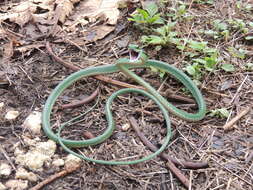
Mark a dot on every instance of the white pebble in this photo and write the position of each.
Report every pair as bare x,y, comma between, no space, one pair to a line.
5,169
11,115
33,122
38,154
17,184
58,162
1,105
2,186
23,174
125,127
72,161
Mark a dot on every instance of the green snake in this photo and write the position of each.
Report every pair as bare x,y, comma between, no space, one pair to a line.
138,59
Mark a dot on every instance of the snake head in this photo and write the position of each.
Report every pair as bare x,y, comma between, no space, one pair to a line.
136,54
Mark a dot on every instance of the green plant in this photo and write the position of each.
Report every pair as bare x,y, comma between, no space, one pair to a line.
237,53
244,6
201,65
162,36
249,66
228,67
238,24
210,2
222,28
222,113
147,16
179,13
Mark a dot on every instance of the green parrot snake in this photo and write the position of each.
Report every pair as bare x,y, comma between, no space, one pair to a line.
124,65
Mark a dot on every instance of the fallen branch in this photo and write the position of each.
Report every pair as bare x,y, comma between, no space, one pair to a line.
229,125
55,176
181,163
169,163
81,102
99,77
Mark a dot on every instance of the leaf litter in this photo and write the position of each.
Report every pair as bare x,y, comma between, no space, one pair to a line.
24,28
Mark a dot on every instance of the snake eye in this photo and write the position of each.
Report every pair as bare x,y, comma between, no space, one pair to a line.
134,55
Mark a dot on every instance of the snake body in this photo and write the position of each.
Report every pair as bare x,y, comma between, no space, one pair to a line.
123,65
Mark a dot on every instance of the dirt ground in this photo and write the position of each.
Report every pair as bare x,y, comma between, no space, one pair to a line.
28,75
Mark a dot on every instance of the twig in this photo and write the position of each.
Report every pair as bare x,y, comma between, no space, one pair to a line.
178,174
81,102
239,88
236,39
182,163
99,77
169,163
7,157
54,177
184,99
250,157
191,175
230,124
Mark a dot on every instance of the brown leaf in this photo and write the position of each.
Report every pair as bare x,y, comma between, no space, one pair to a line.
20,14
97,32
63,9
26,11
93,9
8,50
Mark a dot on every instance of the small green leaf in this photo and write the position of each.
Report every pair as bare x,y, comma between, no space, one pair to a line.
191,70
143,13
152,9
222,112
228,67
249,37
197,45
210,63
249,66
152,39
219,25
240,53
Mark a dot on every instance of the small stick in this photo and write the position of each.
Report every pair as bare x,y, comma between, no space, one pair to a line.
99,77
230,124
7,157
55,176
81,102
178,174
183,164
169,163
238,90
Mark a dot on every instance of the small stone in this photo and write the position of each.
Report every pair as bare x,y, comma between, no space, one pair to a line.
17,184
1,105
33,122
125,127
2,186
5,169
11,115
18,151
23,174
47,148
37,155
58,162
72,162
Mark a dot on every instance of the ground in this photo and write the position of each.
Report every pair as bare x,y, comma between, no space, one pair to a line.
29,73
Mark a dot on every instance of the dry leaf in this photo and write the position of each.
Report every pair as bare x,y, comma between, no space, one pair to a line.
63,9
97,32
25,48
8,50
93,9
